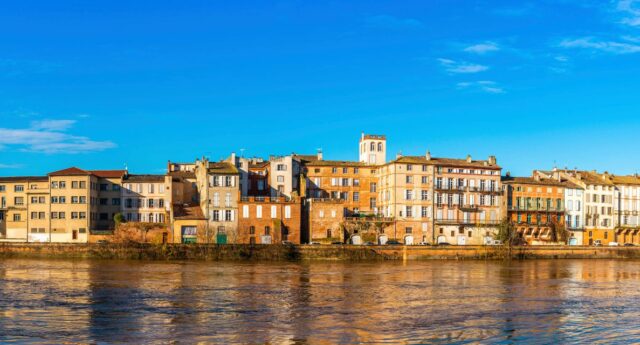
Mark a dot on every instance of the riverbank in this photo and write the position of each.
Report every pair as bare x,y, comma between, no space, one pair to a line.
307,252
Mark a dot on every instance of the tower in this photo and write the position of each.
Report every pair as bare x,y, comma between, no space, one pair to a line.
373,149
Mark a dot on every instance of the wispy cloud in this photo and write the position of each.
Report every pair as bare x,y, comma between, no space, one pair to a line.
461,67
52,125
631,12
595,44
391,22
50,136
487,86
10,166
482,48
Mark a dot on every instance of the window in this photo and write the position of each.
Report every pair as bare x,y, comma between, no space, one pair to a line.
267,231
372,203
424,195
228,181
103,186
425,212
287,212
74,215
409,179
74,199
372,187
216,215
280,178
18,201
408,194
61,215
18,188
83,185
281,167
259,211
408,230
409,167
425,179
356,196
334,170
408,212
356,182
83,199
2,188
115,201
227,200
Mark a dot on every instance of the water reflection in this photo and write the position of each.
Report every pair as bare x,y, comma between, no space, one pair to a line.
555,301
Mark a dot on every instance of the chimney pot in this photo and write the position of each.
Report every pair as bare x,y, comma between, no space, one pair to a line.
428,155
468,158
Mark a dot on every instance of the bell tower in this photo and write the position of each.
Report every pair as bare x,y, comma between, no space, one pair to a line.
373,149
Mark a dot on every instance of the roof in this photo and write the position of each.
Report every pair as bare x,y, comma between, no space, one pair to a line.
534,181
183,174
187,212
374,136
446,162
338,163
626,179
259,165
306,158
590,177
144,178
109,173
23,178
73,171
222,168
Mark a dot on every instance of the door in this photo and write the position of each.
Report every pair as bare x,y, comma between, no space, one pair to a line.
408,240
573,241
442,239
221,238
74,235
462,240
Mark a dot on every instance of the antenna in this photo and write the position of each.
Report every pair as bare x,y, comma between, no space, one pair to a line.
242,153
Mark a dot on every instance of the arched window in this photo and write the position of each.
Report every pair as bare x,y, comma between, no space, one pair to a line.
373,146
380,147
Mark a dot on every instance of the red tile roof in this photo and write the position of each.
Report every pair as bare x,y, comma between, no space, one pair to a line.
73,171
109,173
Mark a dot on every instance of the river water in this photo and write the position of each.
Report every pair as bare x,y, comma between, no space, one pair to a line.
545,301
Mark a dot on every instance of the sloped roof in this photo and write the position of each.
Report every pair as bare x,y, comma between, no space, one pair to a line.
446,162
534,181
626,179
338,163
187,212
144,178
23,178
222,168
108,173
73,171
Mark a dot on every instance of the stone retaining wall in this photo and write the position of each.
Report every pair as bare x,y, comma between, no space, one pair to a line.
307,252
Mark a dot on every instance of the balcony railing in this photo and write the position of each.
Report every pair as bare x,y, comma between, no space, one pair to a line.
265,199
447,221
486,189
536,208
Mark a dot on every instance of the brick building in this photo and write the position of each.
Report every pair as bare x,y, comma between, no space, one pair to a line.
269,220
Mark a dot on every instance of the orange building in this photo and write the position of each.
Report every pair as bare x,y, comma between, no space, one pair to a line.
354,183
536,206
267,220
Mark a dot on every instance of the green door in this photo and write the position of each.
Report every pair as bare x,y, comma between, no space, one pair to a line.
221,238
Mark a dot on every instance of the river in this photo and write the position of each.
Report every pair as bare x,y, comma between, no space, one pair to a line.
543,301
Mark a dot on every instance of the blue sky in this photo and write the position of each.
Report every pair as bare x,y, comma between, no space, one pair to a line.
103,84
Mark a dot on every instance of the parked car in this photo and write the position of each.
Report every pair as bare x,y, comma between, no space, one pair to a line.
425,243
369,244
337,243
629,245
613,244
393,243
597,243
444,244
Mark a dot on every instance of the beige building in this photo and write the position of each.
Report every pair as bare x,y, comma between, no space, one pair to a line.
373,149
218,185
19,198
146,198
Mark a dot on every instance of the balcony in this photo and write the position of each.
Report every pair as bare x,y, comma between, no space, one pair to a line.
372,219
535,209
265,199
487,189
446,221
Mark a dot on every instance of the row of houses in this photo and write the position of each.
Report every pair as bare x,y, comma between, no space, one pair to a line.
307,199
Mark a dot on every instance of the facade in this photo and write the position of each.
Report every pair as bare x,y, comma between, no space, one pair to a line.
218,185
19,197
325,221
373,149
355,183
267,220
537,208
109,200
599,193
626,208
441,200
145,198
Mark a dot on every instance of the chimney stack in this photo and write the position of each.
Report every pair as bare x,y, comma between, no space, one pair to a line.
399,154
493,160
428,155
468,158
319,154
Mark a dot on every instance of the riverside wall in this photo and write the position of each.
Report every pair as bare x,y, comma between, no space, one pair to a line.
307,252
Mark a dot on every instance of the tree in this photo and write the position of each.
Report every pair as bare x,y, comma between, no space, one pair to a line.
558,232
508,234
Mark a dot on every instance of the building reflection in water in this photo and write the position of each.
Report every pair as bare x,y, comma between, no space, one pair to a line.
544,301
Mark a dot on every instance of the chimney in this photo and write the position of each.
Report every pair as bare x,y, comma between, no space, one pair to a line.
536,177
492,160
468,158
319,154
428,155
233,158
508,174
399,154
